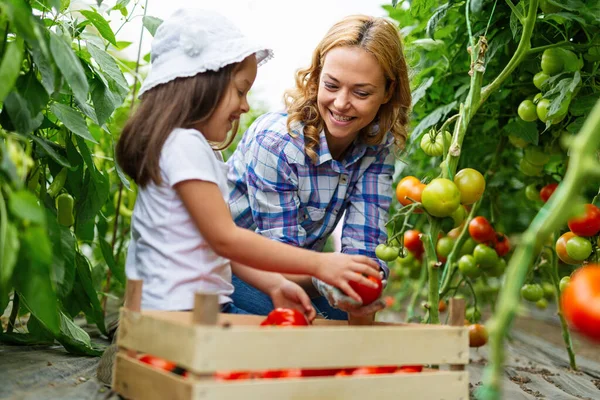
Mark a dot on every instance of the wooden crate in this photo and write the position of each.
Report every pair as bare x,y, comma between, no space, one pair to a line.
203,341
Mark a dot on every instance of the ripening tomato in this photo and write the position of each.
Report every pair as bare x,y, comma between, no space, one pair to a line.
471,185
502,244
581,301
442,306
587,224
441,197
481,230
412,242
409,188
443,247
547,191
561,248
478,335
367,293
285,317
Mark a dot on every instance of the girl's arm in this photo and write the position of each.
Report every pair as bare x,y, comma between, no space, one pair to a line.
283,292
206,206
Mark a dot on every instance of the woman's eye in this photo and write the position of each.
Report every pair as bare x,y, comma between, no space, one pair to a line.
362,94
329,85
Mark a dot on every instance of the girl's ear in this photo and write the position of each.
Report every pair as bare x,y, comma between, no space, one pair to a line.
390,92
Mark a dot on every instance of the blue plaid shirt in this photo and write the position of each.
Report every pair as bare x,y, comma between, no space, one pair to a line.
276,190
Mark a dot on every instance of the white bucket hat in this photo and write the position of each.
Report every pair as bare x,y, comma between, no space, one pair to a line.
192,41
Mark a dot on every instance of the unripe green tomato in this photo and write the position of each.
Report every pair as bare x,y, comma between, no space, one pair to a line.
471,185
543,106
459,216
578,248
468,247
564,282
532,292
532,192
498,269
517,141
536,99
440,197
542,304
571,61
536,156
485,256
529,169
386,253
468,267
548,290
473,314
433,143
444,246
64,207
539,79
552,61
527,111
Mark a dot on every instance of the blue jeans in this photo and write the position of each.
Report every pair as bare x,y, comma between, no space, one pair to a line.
230,308
256,302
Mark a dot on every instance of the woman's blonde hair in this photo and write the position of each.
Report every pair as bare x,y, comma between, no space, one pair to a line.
378,37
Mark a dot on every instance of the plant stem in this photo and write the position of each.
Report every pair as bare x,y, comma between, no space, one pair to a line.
550,218
13,313
433,267
410,309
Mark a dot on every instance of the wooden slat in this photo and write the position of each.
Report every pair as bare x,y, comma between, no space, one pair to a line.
134,380
205,349
425,386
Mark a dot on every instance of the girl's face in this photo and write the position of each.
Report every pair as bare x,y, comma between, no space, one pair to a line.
351,90
233,104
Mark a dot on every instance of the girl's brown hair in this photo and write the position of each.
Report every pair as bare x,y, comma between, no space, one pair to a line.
180,103
380,38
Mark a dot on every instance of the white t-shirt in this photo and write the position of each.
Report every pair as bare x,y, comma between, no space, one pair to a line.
166,250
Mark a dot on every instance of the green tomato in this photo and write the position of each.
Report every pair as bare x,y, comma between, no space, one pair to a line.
498,269
571,61
548,290
536,156
473,314
471,185
485,256
536,100
459,216
532,192
542,304
433,143
386,253
440,197
444,246
532,292
468,267
468,247
517,141
552,61
539,79
578,248
543,106
529,169
526,111
564,282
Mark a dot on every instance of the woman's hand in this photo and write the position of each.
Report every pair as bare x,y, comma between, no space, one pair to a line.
338,269
290,295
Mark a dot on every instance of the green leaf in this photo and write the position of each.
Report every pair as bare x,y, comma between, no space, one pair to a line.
85,153
108,65
84,275
564,92
47,146
122,45
63,261
151,23
17,108
10,67
118,272
31,89
105,101
582,105
420,91
9,253
435,19
73,120
523,130
46,68
94,193
575,126
70,67
101,24
421,8
20,14
75,339
24,205
433,118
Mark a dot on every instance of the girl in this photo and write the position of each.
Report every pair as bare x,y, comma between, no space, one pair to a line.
183,236
296,173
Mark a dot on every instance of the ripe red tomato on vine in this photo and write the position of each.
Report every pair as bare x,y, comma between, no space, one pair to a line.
581,301
587,224
481,230
413,243
547,191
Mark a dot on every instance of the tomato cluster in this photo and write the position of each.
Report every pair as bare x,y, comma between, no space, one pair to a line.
577,245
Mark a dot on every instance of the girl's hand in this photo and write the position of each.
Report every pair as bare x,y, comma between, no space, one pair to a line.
339,269
338,299
290,295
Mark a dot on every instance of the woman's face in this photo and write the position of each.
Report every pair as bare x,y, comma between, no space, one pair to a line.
233,104
351,90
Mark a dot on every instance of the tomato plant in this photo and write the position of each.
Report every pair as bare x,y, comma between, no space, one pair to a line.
581,301
368,294
285,317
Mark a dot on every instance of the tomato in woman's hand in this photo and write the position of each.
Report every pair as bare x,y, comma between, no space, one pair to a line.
285,317
481,230
561,248
502,244
409,188
587,224
478,335
547,191
440,197
368,294
578,248
471,185
412,242
532,292
581,301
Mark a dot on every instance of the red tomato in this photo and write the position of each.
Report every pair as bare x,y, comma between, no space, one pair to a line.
345,372
367,293
232,375
502,245
409,187
481,230
373,370
547,191
281,373
413,243
587,224
285,317
157,362
407,369
561,248
321,372
478,335
581,301
442,306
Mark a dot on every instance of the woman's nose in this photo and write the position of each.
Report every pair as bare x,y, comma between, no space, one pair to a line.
342,101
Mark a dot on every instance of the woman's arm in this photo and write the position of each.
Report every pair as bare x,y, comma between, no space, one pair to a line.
204,202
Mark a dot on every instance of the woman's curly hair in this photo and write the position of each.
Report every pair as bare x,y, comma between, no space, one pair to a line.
380,38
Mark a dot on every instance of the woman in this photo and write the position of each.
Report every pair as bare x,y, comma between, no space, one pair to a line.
295,174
